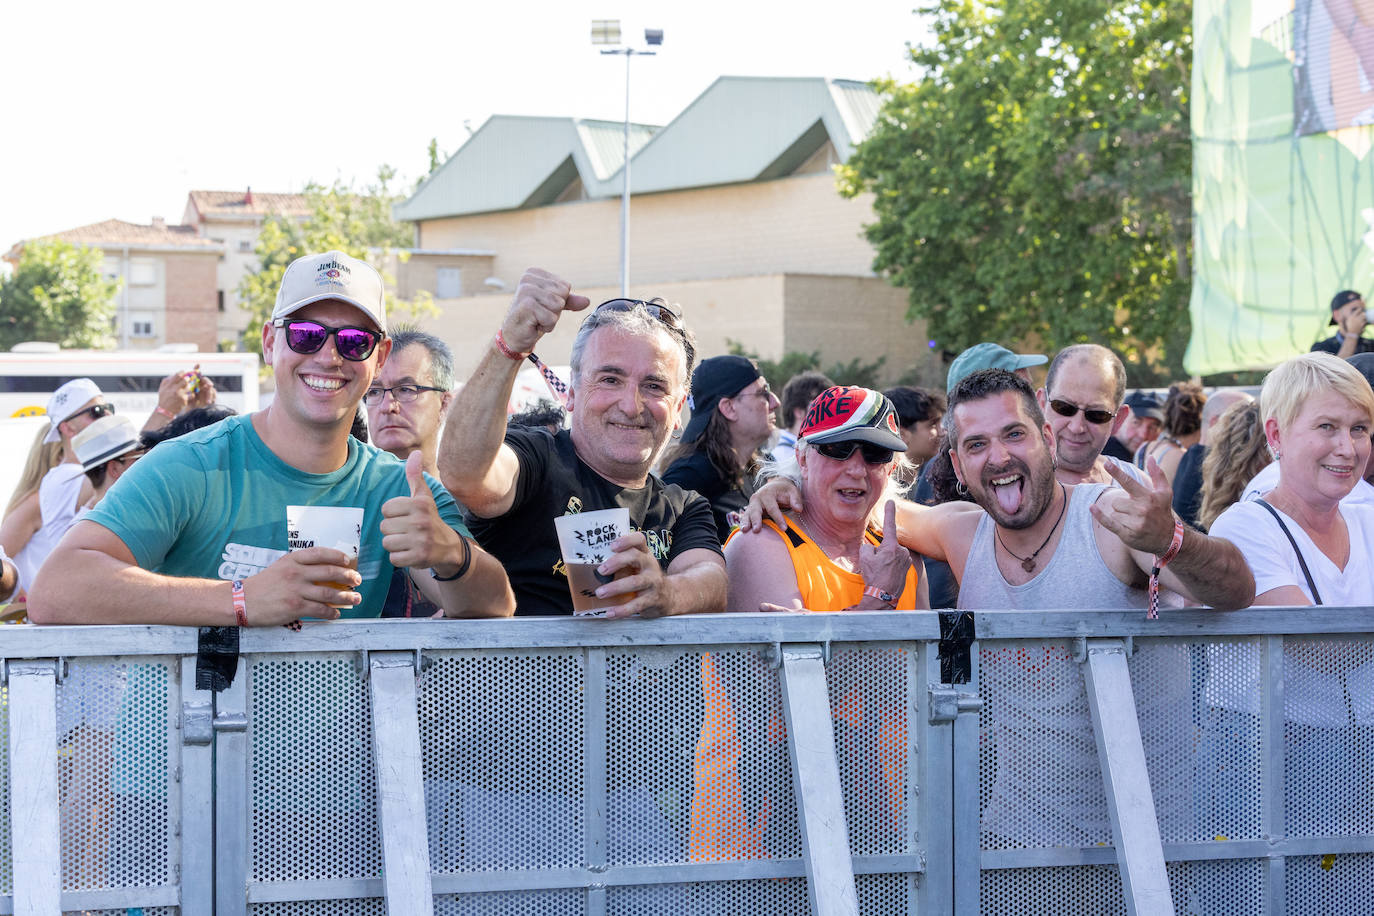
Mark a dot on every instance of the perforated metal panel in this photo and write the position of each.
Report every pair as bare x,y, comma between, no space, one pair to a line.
312,785
1041,785
502,740
139,911
1328,737
512,903
783,897
115,728
870,703
742,798
6,851
1330,885
1234,887
885,894
359,907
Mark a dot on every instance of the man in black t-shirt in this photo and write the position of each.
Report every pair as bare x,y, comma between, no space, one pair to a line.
1350,318
630,361
732,418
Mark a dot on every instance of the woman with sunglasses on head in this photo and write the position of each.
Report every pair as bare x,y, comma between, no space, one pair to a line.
841,553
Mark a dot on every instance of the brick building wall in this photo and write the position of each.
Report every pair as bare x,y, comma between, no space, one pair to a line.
191,314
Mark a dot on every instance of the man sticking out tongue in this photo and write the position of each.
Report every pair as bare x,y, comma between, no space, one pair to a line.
1033,542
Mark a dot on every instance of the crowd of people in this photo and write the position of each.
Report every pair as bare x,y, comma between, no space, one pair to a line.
994,493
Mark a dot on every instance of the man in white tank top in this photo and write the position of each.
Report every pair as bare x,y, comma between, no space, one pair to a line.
1004,454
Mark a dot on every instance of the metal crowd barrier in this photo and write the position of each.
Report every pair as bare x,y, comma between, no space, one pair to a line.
876,763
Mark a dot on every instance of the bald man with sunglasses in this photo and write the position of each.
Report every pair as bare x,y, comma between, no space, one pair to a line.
1083,397
196,533
630,362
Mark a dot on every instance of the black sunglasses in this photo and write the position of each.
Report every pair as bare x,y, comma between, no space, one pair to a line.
95,410
671,319
657,309
1092,415
353,343
840,451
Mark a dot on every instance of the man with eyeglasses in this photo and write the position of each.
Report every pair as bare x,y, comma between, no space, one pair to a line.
1084,390
196,534
405,411
1030,540
732,418
630,362
407,401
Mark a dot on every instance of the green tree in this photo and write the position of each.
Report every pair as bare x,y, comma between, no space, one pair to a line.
58,292
356,222
794,362
1036,183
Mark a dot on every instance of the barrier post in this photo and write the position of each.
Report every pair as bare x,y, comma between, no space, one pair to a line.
400,787
35,831
1130,803
816,777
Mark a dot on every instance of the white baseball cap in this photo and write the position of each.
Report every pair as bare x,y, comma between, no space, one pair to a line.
332,275
66,401
105,440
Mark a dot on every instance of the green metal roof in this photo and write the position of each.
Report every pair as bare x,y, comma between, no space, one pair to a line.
740,129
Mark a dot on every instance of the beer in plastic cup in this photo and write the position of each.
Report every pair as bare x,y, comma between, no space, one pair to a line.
336,527
585,540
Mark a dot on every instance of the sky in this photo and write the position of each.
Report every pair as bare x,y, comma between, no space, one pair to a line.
118,110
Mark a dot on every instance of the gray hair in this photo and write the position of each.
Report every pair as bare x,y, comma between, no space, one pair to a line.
1105,358
440,356
635,321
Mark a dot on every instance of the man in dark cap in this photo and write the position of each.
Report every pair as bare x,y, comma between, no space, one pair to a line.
1141,425
732,418
1348,315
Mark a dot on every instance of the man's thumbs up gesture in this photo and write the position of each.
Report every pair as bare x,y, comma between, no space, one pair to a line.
412,531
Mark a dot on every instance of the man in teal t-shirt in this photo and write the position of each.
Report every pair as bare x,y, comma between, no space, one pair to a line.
195,533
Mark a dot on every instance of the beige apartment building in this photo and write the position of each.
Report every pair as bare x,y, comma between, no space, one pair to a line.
166,280
233,220
734,215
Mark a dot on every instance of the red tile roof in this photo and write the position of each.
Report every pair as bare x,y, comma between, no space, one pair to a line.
235,203
118,232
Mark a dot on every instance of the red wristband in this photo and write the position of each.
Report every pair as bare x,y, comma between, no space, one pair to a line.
165,412
887,598
240,606
506,350
1152,613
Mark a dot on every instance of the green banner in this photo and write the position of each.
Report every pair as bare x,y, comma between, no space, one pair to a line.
1283,183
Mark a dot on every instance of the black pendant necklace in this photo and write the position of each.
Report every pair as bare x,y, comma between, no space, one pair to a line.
1028,563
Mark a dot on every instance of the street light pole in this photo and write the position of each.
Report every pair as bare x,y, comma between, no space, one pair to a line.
607,31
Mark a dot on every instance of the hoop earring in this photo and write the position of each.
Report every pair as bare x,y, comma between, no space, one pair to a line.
960,488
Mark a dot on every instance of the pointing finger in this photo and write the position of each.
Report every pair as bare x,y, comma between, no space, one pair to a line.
890,522
1125,479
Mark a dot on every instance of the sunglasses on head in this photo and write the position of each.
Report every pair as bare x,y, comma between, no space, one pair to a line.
1091,414
95,410
840,451
657,309
305,336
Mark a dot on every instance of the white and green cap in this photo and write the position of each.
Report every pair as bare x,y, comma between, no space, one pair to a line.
332,275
